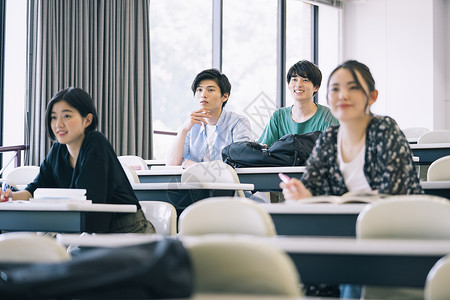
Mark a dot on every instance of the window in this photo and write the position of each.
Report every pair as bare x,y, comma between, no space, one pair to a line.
250,58
181,46
299,37
15,71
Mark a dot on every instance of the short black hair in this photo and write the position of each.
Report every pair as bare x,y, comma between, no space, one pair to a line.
78,99
305,69
218,77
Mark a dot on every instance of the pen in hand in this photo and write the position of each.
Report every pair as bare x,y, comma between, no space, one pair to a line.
4,188
284,177
286,180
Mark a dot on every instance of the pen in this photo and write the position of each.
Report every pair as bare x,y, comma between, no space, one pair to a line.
284,177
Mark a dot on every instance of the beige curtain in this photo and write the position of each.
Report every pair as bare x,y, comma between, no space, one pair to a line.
102,46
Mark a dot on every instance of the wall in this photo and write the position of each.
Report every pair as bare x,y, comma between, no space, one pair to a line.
405,44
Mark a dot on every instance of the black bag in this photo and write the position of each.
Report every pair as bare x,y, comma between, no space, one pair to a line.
289,150
160,269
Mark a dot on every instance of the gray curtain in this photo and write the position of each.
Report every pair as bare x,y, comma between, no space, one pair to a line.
103,47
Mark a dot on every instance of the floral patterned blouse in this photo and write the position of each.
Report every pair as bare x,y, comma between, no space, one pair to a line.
388,164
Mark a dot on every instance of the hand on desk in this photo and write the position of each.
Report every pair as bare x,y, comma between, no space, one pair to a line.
294,190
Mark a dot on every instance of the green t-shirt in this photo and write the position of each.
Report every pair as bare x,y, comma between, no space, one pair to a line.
281,124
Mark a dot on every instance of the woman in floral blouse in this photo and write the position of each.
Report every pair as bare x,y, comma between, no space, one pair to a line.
365,153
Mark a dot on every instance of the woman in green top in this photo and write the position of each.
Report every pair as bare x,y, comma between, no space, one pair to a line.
304,79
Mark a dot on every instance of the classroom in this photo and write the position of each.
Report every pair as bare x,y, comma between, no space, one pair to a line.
137,62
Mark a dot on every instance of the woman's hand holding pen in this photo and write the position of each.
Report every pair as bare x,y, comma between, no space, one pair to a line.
6,193
293,189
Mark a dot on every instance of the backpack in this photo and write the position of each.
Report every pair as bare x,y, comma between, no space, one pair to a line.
159,269
289,150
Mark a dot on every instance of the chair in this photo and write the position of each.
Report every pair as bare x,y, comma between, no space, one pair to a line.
24,247
231,265
437,284
406,216
135,162
439,170
403,217
162,215
131,174
23,175
414,132
211,171
232,215
435,136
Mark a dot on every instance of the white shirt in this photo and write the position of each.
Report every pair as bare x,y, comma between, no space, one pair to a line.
353,171
211,135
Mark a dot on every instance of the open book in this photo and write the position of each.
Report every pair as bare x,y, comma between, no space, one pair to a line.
346,198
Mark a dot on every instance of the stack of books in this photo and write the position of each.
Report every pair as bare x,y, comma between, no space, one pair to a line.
53,195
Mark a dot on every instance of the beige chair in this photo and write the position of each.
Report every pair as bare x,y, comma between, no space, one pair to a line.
231,265
162,215
135,162
406,216
211,171
435,136
414,132
437,285
21,176
439,170
131,173
233,215
403,217
24,247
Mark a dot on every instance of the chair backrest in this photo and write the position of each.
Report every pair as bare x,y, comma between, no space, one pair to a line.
25,247
243,266
414,132
22,175
435,136
437,285
162,215
211,171
135,162
131,174
234,215
408,216
439,170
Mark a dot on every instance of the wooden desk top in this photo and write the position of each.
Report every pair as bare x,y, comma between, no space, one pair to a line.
193,186
430,146
21,205
316,208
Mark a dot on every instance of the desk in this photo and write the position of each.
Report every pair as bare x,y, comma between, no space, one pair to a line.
348,260
154,162
318,219
372,262
328,260
437,188
428,153
182,195
264,179
58,217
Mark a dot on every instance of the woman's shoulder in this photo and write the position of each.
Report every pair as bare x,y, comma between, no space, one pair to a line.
96,140
383,124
